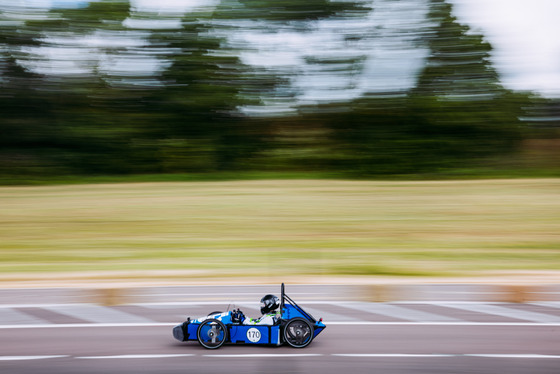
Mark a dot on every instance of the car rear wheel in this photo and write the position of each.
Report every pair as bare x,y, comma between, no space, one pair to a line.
211,334
298,333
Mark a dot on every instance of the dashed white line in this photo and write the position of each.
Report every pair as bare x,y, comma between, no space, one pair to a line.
97,314
294,355
429,355
9,316
25,358
512,355
435,355
329,316
548,304
136,356
504,312
460,323
80,325
9,306
398,312
391,355
264,355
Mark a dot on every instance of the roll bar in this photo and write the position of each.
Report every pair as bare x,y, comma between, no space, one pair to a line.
285,298
282,298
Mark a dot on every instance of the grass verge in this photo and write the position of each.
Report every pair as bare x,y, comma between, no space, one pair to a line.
292,227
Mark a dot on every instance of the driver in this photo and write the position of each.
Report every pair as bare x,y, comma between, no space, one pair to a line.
269,310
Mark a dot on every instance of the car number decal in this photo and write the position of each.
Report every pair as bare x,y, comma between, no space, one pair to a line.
254,335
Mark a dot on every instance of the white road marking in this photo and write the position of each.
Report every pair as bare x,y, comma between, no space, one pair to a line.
335,323
328,316
25,358
80,325
548,304
135,356
428,355
397,312
9,306
459,323
505,312
512,355
218,294
291,355
237,304
10,316
391,355
257,355
97,314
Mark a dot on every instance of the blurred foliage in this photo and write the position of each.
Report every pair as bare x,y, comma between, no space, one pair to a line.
198,129
457,115
97,115
281,10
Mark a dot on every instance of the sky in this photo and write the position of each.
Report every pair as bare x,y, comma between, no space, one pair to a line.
523,33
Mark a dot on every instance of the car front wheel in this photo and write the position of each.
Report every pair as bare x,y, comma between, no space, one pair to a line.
211,334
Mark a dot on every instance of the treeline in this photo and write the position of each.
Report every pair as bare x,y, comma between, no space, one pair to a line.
187,115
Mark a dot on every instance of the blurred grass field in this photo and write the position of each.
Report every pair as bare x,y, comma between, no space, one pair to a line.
292,227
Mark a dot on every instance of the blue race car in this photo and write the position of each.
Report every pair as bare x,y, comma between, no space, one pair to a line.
294,326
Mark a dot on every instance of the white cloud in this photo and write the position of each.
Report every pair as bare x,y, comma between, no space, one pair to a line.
524,35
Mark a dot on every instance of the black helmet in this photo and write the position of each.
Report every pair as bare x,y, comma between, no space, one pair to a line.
269,303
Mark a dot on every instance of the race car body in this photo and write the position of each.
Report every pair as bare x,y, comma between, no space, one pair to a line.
295,327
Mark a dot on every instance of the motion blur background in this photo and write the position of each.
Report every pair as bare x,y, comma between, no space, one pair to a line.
255,89
345,88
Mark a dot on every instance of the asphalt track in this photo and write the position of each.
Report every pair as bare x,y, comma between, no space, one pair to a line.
360,338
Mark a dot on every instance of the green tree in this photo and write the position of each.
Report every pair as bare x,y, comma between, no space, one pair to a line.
458,114
98,114
459,101
293,10
28,132
201,128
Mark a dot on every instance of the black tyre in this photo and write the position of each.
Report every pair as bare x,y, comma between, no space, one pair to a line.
211,334
216,312
298,333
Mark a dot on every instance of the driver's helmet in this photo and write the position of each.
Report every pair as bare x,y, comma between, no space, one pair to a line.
269,303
